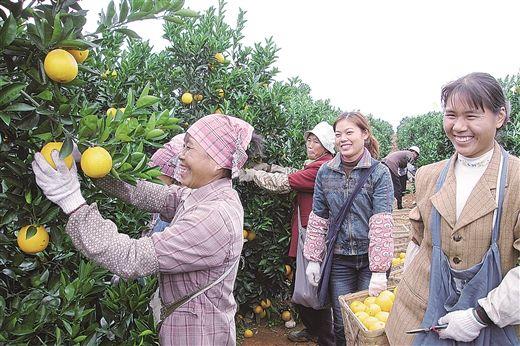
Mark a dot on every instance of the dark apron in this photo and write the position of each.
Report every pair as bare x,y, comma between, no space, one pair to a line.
452,290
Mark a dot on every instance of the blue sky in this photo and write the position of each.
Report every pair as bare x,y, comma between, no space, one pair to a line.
388,58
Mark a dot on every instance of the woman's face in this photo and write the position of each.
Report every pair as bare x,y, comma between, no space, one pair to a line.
472,131
314,148
196,168
350,140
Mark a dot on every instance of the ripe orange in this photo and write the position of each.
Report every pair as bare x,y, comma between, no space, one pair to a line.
362,316
288,269
402,255
286,316
258,309
96,162
248,333
376,325
369,300
79,55
220,93
37,243
187,98
265,303
382,316
373,309
47,150
357,306
263,314
244,234
251,235
220,58
60,66
198,97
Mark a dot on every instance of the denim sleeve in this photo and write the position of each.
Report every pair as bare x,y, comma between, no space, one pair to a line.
319,202
383,197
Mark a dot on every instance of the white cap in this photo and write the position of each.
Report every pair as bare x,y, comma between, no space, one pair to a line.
325,134
415,148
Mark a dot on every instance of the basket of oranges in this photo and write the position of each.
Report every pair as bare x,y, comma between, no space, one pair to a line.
365,317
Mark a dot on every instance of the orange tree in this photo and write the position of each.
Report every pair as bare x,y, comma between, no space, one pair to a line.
50,92
57,297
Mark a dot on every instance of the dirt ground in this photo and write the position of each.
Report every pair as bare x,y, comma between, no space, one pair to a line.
273,336
277,335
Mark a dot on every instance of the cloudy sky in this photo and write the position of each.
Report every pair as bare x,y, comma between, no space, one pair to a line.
388,58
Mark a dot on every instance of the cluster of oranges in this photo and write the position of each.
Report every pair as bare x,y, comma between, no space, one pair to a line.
187,97
61,65
373,311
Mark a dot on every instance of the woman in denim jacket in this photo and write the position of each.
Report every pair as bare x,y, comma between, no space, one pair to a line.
364,247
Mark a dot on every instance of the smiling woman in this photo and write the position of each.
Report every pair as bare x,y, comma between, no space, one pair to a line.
462,243
197,252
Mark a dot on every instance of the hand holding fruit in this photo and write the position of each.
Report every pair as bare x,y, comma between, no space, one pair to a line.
59,185
377,284
313,272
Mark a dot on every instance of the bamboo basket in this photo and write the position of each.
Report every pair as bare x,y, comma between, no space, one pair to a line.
355,332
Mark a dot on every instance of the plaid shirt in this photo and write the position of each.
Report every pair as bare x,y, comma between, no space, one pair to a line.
202,241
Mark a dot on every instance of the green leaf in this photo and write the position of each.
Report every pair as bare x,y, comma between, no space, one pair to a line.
66,149
176,5
28,197
8,31
6,118
128,32
79,338
123,10
81,44
19,107
111,11
45,95
184,12
146,101
57,30
67,326
31,232
10,93
146,332
146,90
174,19
155,133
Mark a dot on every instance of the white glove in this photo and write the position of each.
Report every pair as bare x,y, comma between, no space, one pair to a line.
246,175
59,185
277,169
377,284
313,272
262,166
462,326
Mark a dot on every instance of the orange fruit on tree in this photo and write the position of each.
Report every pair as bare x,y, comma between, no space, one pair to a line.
220,58
286,315
248,333
96,162
265,303
244,233
111,112
32,239
263,314
47,150
251,235
198,97
60,66
288,270
218,111
79,55
187,98
220,93
258,309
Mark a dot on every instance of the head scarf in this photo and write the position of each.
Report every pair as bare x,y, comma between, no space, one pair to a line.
166,157
224,138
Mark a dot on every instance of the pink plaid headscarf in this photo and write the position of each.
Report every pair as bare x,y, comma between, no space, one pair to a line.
166,157
224,138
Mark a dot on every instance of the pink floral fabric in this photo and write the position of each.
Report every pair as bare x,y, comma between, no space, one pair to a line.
381,247
314,248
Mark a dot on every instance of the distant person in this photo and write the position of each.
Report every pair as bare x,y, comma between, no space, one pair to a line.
397,162
319,143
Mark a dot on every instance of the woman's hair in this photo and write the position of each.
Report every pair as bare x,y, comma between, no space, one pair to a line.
360,121
256,147
478,90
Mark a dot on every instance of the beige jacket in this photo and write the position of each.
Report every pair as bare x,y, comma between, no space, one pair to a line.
464,241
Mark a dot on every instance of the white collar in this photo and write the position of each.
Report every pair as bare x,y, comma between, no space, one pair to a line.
475,162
